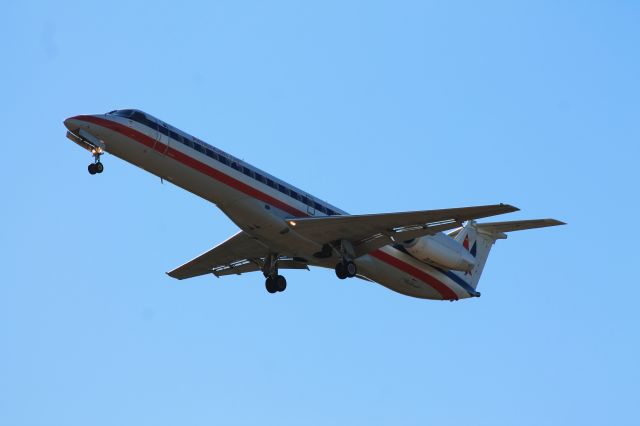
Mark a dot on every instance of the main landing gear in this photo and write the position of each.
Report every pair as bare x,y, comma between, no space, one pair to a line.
96,166
274,283
346,269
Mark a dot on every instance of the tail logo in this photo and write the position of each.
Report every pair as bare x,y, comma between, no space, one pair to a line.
465,244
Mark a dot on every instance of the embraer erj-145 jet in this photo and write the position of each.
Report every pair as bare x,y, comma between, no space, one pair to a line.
284,227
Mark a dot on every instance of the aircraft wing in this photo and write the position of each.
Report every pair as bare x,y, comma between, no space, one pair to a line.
237,250
369,232
237,255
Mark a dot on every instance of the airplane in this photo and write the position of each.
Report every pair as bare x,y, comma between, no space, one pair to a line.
429,254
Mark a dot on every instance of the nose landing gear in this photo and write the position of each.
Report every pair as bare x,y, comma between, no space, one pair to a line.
96,166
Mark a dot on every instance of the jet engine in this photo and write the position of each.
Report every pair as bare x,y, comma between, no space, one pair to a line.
441,250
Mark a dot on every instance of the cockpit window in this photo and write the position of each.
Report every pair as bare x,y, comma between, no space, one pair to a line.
139,116
123,112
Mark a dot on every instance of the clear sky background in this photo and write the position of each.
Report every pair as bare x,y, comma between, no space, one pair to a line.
375,107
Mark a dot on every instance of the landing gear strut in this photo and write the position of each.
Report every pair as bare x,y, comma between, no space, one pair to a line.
274,282
96,166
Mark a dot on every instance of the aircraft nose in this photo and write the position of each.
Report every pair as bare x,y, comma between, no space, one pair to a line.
76,122
72,123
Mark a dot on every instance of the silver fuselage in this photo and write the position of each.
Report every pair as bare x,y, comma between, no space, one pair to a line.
255,201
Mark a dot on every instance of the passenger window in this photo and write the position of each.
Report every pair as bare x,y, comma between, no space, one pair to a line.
259,177
282,189
198,147
271,183
235,166
223,160
305,200
246,171
210,153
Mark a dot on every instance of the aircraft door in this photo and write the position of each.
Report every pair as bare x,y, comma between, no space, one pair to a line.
310,206
154,133
162,138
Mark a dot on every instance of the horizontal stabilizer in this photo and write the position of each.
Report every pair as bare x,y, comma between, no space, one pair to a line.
517,225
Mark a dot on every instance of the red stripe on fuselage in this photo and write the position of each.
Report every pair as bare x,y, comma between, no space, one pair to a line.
440,287
216,174
194,164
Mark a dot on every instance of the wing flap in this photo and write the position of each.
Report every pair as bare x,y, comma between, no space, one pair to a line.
237,268
253,265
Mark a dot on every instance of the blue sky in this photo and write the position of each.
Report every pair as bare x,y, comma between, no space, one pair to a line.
375,107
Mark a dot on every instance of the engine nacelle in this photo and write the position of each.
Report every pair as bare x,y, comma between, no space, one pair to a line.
441,250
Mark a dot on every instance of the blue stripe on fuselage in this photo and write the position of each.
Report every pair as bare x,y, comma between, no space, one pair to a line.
456,278
451,275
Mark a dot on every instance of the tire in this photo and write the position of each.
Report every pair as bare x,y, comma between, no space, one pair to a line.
99,168
92,169
270,285
351,269
341,271
281,283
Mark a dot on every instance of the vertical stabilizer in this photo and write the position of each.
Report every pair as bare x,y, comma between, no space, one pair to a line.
478,241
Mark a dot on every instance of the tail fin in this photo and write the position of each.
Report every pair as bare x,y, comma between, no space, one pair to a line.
478,238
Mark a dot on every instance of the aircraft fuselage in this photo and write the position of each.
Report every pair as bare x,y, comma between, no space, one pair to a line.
255,201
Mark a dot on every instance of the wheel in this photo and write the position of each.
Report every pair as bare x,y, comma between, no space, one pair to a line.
281,283
92,168
99,168
270,284
351,269
341,271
